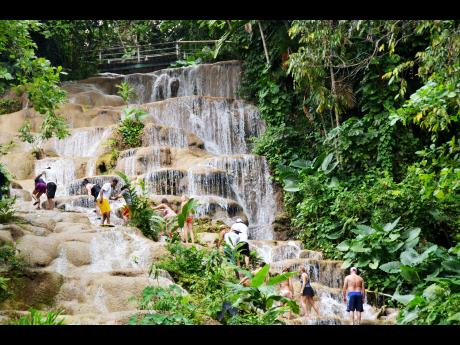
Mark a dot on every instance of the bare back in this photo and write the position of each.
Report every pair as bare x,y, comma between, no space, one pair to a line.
354,282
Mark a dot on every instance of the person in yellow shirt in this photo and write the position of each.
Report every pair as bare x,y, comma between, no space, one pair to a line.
103,200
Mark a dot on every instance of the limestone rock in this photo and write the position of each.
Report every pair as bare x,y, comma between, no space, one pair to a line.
208,238
20,164
77,253
5,237
15,230
38,251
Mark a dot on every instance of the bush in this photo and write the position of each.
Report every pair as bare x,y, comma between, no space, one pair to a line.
7,211
126,91
38,318
8,106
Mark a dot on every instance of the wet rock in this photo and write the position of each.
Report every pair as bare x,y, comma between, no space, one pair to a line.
282,227
310,254
36,230
77,253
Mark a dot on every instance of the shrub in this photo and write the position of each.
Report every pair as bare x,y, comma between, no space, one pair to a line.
8,106
126,91
38,318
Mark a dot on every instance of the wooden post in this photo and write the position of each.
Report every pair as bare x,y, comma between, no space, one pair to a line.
263,42
138,55
177,51
100,56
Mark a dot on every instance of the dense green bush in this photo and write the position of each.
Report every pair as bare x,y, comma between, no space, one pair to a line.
8,106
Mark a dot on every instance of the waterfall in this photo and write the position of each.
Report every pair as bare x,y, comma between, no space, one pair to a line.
83,142
64,168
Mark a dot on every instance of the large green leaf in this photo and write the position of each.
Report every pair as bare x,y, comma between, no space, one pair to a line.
301,163
260,276
291,185
409,257
364,230
453,264
395,247
326,161
412,234
358,247
391,267
433,291
347,263
410,274
343,246
390,226
363,262
412,243
374,264
404,299
280,278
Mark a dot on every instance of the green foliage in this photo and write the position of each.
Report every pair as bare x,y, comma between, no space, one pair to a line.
126,91
142,215
130,128
11,266
170,306
7,211
38,318
8,106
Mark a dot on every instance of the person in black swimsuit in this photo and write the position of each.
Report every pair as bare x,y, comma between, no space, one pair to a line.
307,293
92,190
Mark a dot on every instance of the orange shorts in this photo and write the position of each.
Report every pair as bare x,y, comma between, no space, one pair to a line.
125,211
189,219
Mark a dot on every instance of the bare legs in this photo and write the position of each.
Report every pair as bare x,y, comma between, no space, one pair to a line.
37,199
352,317
308,300
188,228
50,203
106,216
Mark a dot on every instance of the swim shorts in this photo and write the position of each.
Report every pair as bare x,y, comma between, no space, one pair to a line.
104,206
355,301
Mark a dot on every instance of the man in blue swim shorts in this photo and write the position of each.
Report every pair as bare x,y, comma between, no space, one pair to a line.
353,287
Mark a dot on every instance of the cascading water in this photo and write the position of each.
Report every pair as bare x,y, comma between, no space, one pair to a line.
195,143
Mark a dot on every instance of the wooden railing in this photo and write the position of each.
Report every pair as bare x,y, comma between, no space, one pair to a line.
163,53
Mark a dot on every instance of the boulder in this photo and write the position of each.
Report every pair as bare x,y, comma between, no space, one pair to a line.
38,251
20,164
208,238
77,253
21,194
5,237
15,230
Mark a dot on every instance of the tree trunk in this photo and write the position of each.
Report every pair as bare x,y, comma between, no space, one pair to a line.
333,90
263,42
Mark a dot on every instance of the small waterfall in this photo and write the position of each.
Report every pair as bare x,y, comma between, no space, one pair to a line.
224,125
83,142
156,135
61,263
100,300
64,168
166,182
209,182
139,161
251,180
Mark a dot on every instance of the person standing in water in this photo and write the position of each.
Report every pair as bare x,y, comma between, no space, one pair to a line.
307,293
353,285
188,226
51,185
93,190
103,199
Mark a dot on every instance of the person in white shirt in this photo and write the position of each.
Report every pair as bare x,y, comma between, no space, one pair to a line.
49,176
103,199
231,238
242,230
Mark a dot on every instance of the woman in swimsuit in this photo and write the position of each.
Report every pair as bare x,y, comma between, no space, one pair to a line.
287,289
307,293
188,222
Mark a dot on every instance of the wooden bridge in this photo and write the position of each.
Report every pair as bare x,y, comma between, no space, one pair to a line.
142,58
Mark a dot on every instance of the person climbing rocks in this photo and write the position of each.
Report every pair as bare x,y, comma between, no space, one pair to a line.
3,182
242,230
105,195
188,226
225,229
51,185
231,239
93,190
167,212
126,209
353,288
307,293
39,190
